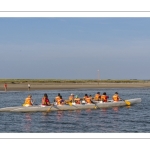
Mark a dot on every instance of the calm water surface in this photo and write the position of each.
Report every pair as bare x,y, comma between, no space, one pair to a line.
127,119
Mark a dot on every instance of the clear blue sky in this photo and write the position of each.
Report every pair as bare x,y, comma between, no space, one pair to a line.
75,48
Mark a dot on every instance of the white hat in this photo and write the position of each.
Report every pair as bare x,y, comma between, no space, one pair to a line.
72,94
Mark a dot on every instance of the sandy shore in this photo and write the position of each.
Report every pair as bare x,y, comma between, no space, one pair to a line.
62,86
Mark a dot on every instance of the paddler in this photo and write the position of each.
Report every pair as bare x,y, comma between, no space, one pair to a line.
97,96
57,98
77,100
61,101
85,96
87,99
104,97
116,97
45,100
70,99
28,101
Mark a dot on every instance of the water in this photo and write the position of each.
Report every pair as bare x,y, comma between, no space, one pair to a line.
133,119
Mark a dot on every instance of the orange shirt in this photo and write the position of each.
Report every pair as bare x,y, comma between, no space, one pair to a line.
28,101
88,100
97,97
115,97
104,98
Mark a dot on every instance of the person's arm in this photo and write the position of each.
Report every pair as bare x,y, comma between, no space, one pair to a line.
43,101
32,101
119,98
48,102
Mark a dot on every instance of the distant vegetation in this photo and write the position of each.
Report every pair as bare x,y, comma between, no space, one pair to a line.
19,81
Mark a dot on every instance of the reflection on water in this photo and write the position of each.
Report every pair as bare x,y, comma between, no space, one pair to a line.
59,115
88,110
27,124
103,110
116,109
128,106
45,113
78,111
28,117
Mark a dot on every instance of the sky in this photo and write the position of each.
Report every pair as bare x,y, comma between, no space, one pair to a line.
75,47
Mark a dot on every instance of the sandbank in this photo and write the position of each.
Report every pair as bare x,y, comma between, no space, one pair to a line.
70,86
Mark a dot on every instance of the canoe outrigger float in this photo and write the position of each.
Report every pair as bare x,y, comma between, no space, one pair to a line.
94,105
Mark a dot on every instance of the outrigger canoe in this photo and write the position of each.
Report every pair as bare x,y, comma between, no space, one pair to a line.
94,105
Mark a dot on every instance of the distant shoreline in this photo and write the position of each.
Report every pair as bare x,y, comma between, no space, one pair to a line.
70,86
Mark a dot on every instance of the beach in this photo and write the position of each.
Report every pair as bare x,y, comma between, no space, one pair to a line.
70,86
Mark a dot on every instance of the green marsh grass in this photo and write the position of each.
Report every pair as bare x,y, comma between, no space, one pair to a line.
65,81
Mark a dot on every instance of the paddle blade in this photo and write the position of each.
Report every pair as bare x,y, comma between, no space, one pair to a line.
48,110
127,102
70,104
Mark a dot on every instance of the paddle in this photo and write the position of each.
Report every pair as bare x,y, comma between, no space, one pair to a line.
127,102
95,104
49,109
33,102
70,104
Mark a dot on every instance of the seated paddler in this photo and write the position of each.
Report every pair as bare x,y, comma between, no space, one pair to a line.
116,97
77,100
45,100
97,96
88,100
70,99
104,97
28,101
57,98
60,100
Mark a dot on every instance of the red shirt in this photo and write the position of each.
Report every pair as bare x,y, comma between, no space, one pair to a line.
45,101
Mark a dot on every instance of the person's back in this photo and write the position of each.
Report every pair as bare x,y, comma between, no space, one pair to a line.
85,96
45,100
90,96
97,96
116,97
87,99
28,101
104,97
